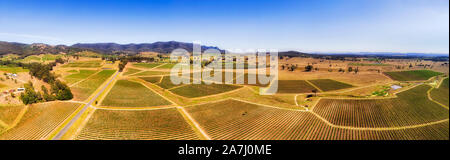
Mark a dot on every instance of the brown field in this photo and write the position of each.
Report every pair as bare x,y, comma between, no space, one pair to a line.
294,86
162,124
9,113
329,85
412,107
40,120
200,90
235,120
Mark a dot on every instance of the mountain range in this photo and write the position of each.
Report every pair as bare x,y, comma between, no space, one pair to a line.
106,48
163,48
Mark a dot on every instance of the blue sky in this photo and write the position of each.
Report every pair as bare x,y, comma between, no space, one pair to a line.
303,25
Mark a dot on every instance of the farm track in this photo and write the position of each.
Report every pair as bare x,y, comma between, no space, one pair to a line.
78,115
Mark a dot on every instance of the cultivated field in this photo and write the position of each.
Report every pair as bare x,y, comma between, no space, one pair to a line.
162,124
84,89
146,65
8,113
412,75
151,79
167,66
166,83
329,85
84,64
294,86
200,90
131,71
82,74
412,107
132,94
235,120
40,120
150,73
441,94
10,69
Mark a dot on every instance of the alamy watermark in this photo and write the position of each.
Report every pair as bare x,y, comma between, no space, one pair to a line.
212,66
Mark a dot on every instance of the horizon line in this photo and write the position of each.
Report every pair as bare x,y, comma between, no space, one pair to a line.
280,50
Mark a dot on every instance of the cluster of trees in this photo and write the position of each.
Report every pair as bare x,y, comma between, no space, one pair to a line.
58,90
122,64
288,67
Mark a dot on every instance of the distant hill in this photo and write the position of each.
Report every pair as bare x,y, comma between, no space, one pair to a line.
160,47
33,49
106,48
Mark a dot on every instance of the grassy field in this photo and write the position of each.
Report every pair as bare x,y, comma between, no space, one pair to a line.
84,89
235,120
163,124
329,85
151,79
441,94
146,65
40,120
412,75
83,64
132,94
412,107
131,71
151,73
294,86
11,69
200,90
73,78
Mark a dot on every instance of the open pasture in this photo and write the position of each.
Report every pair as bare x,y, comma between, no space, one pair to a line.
415,75
441,94
329,85
161,124
200,90
294,86
40,120
132,94
235,120
84,89
412,107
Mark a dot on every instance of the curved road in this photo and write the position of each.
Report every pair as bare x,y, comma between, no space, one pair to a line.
74,119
